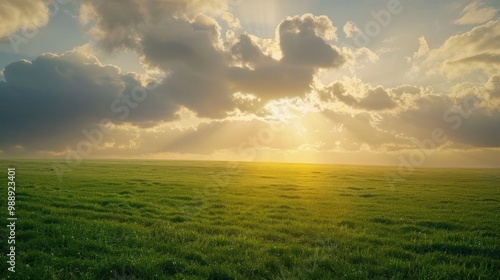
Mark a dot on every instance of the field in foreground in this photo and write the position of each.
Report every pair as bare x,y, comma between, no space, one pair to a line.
212,220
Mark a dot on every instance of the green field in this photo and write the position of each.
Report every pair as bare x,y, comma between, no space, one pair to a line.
215,220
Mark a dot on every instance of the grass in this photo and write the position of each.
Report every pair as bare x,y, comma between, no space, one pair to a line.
214,220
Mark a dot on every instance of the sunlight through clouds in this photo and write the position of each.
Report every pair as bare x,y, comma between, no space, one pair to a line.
199,78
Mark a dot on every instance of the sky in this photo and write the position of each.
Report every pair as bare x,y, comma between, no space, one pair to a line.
372,82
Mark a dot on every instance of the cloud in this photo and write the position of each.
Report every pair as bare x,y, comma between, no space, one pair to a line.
119,24
228,82
26,14
231,20
464,116
351,29
423,48
304,44
377,99
493,87
174,37
366,54
190,52
286,138
264,76
65,94
273,80
55,97
474,13
324,131
358,132
465,53
304,41
48,102
204,72
468,115
485,58
246,50
400,90
359,97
